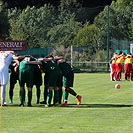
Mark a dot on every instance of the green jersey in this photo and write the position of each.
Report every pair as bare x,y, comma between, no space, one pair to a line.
54,73
50,66
23,66
65,68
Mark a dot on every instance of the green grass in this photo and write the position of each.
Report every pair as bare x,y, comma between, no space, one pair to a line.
104,109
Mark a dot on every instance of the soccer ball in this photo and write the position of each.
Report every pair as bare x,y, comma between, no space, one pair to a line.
117,86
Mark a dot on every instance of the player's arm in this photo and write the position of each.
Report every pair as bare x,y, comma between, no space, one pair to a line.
33,62
58,57
45,59
18,57
12,52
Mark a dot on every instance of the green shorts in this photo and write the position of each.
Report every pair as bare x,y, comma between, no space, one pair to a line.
55,78
13,78
37,78
68,80
26,77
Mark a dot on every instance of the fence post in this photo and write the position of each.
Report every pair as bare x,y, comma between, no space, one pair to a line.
107,31
71,56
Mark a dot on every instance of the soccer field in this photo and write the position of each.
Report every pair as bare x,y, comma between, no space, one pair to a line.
104,109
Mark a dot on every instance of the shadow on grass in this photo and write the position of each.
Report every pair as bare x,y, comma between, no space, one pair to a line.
80,106
100,105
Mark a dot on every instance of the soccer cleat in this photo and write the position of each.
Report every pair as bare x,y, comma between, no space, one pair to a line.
29,105
24,102
37,102
78,99
47,105
11,102
64,104
21,105
2,105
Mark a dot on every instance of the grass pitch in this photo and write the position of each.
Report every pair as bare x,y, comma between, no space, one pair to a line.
104,109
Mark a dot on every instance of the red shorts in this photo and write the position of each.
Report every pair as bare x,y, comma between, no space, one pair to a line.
113,68
128,67
118,67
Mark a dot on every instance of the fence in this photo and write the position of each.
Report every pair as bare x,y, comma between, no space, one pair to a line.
91,66
123,45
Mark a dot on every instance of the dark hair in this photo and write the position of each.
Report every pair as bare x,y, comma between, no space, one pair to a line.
120,52
49,56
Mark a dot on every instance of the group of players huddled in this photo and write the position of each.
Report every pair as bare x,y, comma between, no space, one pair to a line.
58,80
121,62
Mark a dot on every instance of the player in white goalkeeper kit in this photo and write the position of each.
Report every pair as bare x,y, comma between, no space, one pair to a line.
5,60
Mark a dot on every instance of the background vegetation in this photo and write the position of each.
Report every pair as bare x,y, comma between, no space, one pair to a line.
67,23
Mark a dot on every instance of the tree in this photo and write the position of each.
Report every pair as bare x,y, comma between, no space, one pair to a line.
32,25
87,36
119,22
100,22
120,19
4,25
64,32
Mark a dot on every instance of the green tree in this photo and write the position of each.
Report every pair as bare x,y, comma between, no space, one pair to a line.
63,34
32,25
100,22
120,18
4,24
87,36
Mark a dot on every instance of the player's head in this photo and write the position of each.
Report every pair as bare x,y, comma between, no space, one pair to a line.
50,56
120,53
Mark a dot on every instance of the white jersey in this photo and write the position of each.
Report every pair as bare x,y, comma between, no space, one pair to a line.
5,61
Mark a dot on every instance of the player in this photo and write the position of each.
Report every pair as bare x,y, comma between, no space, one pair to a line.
26,76
13,79
45,93
54,76
128,67
68,79
119,60
14,76
6,58
37,81
113,67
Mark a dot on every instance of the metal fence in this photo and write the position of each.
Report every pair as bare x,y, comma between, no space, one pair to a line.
91,66
123,45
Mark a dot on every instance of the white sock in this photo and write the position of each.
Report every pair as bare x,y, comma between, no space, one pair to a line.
3,94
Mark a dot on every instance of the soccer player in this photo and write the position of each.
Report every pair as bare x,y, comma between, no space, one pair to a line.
45,93
68,79
128,67
6,58
119,60
14,76
54,77
37,81
26,76
13,79
113,67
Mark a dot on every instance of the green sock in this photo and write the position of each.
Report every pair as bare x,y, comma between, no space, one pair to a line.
49,97
45,94
21,96
29,97
72,92
56,96
65,96
11,94
24,95
38,93
60,95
